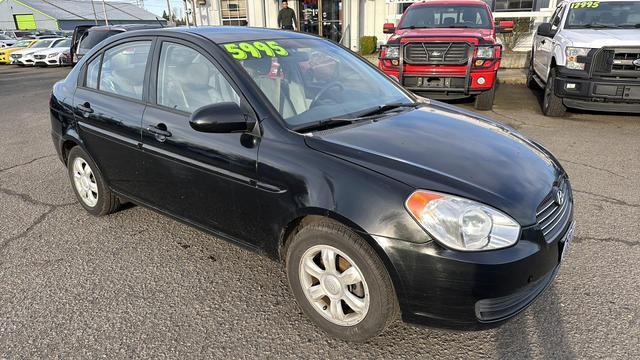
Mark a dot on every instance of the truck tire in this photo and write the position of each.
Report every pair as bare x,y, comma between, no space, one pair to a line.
531,83
484,101
552,104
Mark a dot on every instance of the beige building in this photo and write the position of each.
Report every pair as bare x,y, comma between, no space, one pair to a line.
344,21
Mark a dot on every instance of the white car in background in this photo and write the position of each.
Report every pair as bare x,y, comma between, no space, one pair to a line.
6,41
24,57
55,56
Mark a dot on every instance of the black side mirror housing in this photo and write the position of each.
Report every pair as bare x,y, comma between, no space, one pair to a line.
544,29
226,117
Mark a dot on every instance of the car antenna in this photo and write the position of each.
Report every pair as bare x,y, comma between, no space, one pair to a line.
159,22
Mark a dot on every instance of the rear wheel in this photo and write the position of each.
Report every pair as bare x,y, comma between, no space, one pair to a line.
89,185
552,104
484,101
340,282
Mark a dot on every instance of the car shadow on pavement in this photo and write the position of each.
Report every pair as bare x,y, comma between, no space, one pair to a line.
537,333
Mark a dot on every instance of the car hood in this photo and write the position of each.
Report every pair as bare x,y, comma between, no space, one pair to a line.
485,34
596,38
27,51
442,148
51,50
10,49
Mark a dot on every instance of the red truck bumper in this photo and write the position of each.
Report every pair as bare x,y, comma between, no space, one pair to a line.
444,80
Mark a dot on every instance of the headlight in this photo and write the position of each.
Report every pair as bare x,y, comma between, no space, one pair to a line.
391,52
53,55
462,224
485,52
572,57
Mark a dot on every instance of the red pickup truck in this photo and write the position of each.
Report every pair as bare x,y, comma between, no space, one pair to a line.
446,49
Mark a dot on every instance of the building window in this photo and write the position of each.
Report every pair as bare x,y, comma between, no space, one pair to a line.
514,5
234,12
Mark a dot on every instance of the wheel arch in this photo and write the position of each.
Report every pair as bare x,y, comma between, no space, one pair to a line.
313,215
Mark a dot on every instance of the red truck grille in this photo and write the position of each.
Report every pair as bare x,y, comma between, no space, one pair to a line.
451,53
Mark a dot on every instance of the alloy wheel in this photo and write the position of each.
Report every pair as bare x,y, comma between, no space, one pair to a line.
334,285
85,182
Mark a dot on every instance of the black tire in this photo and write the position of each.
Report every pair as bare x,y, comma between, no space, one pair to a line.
552,104
531,83
484,101
107,202
383,303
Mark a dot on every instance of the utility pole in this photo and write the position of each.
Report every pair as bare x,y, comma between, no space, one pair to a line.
104,9
193,13
187,12
169,12
95,16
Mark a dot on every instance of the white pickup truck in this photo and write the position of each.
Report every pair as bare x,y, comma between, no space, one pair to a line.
588,57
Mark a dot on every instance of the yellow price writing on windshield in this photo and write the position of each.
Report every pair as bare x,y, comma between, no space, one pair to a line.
243,50
585,4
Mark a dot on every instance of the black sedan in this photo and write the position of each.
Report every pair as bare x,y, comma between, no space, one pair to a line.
379,203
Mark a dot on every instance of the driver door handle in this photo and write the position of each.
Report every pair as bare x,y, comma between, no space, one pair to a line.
543,41
159,131
86,107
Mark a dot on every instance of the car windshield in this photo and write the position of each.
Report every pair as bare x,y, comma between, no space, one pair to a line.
64,43
42,44
443,16
311,80
4,37
22,43
603,15
92,38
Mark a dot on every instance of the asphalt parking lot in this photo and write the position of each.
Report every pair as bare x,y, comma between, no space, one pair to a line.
137,284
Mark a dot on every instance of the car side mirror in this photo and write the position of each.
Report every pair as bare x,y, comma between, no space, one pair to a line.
505,26
389,28
226,117
544,29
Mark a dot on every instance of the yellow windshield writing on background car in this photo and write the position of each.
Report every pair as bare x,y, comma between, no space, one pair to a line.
585,4
242,50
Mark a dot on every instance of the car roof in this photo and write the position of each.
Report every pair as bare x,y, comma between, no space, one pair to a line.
225,34
573,1
449,2
124,27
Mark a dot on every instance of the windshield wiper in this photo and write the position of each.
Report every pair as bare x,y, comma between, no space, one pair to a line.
322,124
381,109
599,26
361,116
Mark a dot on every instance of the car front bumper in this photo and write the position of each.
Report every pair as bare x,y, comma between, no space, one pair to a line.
614,95
468,290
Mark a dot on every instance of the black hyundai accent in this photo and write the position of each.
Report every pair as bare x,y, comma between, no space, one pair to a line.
379,203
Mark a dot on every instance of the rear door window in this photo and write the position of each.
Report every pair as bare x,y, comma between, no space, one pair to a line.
123,69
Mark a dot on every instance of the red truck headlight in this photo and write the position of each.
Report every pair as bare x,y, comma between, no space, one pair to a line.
485,52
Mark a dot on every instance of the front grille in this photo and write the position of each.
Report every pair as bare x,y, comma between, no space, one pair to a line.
554,213
616,62
623,61
39,57
453,53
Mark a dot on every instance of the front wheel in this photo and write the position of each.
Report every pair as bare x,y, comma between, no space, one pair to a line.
552,104
484,101
340,282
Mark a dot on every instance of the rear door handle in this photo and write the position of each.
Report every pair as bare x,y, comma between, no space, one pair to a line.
86,107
